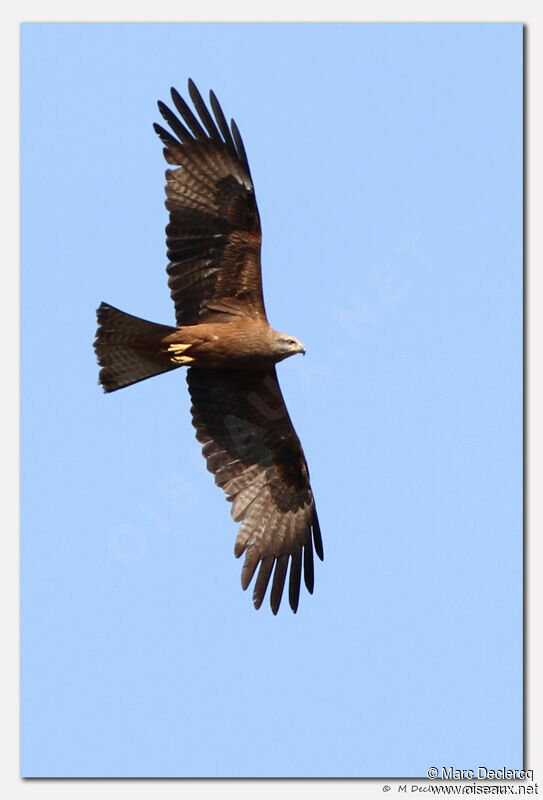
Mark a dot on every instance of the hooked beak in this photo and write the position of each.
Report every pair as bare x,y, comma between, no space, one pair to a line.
303,350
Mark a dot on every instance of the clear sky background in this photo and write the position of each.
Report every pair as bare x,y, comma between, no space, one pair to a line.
387,161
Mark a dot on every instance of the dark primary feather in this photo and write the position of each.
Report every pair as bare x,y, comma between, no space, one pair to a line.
177,127
214,235
205,116
253,450
186,113
240,146
222,123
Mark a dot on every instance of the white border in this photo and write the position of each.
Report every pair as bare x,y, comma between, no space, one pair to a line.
460,10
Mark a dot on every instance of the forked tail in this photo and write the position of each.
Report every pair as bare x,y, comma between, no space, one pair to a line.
129,348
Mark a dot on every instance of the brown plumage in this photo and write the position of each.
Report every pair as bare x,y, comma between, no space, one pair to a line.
223,335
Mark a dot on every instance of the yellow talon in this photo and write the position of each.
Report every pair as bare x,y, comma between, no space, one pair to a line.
177,350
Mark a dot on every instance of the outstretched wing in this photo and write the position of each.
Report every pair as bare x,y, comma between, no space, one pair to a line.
214,236
253,450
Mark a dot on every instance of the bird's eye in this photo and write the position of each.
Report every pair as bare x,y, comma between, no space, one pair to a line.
291,341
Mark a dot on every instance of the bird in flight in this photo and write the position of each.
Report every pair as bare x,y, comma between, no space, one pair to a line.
223,336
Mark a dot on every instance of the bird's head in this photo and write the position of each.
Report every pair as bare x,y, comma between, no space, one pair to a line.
286,345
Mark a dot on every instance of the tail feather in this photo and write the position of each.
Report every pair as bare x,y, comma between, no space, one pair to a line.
128,348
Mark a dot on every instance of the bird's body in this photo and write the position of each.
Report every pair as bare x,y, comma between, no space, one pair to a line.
223,335
240,344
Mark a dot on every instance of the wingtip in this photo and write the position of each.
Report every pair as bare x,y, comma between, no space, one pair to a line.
245,581
317,536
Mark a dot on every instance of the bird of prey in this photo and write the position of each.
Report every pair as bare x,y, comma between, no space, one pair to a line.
223,335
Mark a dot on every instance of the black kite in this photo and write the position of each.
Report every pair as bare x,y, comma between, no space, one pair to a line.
223,335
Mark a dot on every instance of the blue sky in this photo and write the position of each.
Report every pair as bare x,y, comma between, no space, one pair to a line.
387,161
